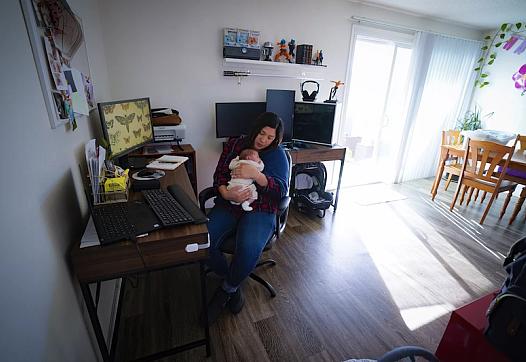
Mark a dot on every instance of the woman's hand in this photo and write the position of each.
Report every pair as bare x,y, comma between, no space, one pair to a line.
244,170
236,194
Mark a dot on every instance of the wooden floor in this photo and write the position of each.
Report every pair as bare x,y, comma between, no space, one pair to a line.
352,285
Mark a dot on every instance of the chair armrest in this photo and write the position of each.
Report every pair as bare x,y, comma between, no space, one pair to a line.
205,195
283,204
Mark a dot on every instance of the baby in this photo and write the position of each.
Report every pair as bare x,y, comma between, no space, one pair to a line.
250,157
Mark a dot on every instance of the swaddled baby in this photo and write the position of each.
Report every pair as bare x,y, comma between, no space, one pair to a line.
250,157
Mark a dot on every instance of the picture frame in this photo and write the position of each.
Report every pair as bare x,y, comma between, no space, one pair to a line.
51,62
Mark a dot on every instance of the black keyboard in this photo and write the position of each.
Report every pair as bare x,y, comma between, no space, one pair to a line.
167,208
112,222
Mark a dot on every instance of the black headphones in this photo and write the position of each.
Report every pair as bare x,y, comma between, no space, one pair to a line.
310,97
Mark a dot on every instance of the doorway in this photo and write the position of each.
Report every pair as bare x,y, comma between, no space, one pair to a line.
375,104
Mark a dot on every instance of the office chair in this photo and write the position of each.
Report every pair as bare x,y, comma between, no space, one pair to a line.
229,245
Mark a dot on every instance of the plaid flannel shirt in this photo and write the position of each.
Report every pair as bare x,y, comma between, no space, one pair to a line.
276,170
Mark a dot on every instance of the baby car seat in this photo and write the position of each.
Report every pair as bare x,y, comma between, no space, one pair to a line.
308,192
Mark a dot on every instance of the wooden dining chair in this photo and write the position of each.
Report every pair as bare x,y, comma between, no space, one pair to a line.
520,178
451,165
479,171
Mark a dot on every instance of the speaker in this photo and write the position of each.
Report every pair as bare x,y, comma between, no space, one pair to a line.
309,97
241,53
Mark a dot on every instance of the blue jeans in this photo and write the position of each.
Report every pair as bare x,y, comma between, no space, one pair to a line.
252,232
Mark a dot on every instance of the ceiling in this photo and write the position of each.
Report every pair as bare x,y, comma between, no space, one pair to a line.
477,14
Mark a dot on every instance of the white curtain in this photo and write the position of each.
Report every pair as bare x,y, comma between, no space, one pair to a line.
441,91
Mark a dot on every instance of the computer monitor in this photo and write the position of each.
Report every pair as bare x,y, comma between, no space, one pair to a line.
126,124
314,122
236,119
281,102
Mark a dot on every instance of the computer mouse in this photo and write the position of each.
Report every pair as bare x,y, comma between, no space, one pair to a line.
146,173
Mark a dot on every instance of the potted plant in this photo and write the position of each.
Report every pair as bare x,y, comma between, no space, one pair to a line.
472,120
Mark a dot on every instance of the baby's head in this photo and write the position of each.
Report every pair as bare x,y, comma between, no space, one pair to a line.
249,154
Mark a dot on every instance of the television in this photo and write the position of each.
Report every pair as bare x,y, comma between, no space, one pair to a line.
281,102
126,125
314,123
236,119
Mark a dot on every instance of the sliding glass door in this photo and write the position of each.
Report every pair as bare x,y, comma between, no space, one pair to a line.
375,104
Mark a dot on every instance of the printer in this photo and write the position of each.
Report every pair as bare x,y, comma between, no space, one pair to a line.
170,133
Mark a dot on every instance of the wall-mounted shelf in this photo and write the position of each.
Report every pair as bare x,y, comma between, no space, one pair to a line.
259,68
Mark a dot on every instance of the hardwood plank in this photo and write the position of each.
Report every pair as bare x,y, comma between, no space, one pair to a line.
354,284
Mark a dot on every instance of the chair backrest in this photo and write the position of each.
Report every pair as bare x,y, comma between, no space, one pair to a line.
451,137
522,143
483,157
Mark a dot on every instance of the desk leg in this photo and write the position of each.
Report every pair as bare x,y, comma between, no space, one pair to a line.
339,182
92,311
204,306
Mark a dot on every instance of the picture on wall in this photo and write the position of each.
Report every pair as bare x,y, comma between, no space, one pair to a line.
60,55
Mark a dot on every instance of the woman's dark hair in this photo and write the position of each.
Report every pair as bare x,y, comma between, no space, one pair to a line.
266,119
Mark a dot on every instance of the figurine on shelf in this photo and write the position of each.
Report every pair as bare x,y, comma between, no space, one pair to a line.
283,54
267,51
320,58
292,46
332,94
316,58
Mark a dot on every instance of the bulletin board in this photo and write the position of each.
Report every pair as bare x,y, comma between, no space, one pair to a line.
61,60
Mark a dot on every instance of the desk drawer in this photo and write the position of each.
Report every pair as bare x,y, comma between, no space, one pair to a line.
172,252
106,262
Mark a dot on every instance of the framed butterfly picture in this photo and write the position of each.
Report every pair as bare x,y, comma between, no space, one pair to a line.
126,124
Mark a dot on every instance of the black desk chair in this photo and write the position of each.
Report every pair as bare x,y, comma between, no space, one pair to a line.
229,245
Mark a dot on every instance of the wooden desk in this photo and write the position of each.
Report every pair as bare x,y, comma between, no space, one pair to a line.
184,150
161,249
318,153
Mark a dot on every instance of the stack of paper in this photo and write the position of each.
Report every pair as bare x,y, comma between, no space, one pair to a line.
95,157
167,162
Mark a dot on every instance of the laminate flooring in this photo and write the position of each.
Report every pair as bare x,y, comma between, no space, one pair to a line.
354,284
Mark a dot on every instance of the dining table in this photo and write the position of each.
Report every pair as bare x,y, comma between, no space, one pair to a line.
516,171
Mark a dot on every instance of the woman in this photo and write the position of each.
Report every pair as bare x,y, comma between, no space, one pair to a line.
252,228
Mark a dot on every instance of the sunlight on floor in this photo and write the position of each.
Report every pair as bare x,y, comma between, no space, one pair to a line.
388,231
415,318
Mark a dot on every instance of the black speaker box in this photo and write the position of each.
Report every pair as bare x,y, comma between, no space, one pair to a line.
241,53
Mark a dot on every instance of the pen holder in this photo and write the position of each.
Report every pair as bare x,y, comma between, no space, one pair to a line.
109,189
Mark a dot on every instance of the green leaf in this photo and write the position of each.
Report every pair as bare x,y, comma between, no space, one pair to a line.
498,44
487,38
483,75
502,36
491,61
485,47
518,25
493,55
503,27
480,60
485,83
476,69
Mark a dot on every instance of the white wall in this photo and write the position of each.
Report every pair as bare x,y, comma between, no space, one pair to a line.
43,207
171,51
501,96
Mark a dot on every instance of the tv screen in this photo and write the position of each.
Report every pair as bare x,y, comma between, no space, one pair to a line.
126,124
314,122
236,119
281,102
